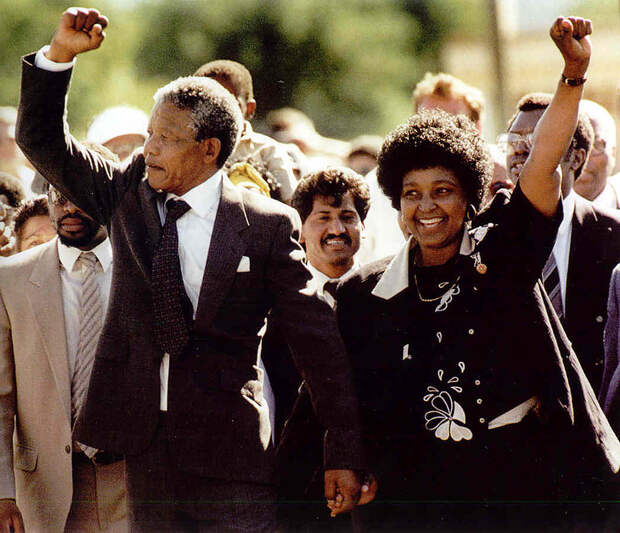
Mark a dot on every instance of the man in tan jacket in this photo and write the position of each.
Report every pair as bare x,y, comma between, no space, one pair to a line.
49,482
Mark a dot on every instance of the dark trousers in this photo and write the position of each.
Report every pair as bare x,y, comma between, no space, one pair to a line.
163,497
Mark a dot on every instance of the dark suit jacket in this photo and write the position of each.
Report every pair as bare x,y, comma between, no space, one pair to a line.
609,395
215,402
594,252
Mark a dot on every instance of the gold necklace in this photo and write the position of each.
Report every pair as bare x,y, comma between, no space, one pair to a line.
429,300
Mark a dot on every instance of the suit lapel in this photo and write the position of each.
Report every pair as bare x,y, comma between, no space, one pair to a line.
225,251
581,255
44,293
152,221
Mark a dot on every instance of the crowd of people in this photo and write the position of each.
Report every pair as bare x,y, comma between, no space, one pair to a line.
207,328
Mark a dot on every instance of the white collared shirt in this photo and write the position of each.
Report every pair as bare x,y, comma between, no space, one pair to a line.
71,277
561,248
608,198
320,279
195,229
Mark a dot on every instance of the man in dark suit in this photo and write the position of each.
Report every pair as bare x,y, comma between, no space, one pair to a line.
176,384
587,247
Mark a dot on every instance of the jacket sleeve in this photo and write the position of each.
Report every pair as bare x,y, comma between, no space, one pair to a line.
42,132
7,406
311,331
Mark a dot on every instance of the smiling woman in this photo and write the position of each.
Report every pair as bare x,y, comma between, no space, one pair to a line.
453,347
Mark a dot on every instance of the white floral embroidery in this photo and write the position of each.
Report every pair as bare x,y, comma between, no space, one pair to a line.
447,418
444,417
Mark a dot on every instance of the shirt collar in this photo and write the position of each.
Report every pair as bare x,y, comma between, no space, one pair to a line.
322,278
568,208
395,279
68,255
202,198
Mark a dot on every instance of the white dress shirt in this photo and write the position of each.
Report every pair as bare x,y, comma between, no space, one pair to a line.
71,277
609,197
561,248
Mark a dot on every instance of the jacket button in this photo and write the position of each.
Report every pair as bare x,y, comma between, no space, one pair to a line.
471,332
477,382
599,319
482,420
68,448
479,401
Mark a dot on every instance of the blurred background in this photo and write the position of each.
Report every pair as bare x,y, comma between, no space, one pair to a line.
349,64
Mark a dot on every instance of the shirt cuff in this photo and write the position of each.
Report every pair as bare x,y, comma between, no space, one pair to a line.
42,62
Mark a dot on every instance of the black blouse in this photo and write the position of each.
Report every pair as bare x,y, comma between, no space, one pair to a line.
439,357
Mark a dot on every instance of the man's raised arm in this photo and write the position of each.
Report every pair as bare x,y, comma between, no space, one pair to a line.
81,175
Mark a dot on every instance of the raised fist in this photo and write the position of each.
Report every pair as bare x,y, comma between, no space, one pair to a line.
570,35
79,30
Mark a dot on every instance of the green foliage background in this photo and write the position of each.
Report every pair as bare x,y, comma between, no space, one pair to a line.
349,64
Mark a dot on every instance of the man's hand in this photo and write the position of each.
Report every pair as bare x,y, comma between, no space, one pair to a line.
80,30
342,490
570,35
10,517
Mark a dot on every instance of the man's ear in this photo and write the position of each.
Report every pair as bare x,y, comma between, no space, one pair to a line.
578,159
250,108
211,149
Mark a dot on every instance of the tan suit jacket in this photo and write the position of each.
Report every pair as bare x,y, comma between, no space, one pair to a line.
35,389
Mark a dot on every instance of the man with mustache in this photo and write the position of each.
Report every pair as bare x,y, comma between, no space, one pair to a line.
588,243
54,298
332,204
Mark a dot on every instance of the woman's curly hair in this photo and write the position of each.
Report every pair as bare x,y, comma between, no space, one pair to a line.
435,139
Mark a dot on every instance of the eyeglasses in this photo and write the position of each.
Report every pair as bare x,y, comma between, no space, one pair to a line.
512,143
509,142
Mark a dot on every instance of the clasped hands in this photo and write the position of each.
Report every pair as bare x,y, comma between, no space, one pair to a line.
344,489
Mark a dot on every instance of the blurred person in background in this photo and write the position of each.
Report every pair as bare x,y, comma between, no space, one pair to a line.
32,224
11,158
362,156
500,179
121,129
447,92
593,182
289,125
587,247
267,156
11,194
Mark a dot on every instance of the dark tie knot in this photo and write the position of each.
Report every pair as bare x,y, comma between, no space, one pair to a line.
176,209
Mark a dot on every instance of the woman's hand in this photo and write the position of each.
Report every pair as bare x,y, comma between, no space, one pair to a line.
570,35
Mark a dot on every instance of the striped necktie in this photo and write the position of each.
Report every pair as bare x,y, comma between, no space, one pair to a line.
551,281
91,322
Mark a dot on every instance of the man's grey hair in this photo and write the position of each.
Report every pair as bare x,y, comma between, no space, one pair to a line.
214,111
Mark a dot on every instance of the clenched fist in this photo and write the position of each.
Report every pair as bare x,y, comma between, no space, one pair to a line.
79,30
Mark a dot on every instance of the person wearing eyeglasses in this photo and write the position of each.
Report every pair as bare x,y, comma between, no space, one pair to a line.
587,247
